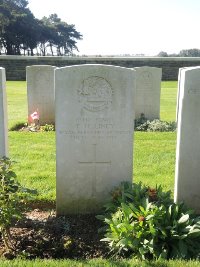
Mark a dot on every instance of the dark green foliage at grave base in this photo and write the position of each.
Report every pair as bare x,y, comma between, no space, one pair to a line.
12,197
144,222
18,126
21,126
145,125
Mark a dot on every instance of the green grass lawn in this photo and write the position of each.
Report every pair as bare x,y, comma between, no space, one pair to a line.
35,158
168,101
97,263
17,102
154,158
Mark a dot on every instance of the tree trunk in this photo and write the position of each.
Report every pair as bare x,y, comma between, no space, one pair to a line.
9,49
51,48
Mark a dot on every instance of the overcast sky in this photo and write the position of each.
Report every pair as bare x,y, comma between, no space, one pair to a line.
118,27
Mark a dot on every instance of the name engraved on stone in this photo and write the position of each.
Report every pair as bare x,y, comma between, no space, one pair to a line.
94,164
95,94
94,126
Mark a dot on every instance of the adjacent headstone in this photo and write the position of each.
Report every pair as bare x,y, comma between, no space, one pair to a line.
187,176
41,93
148,87
3,115
178,92
94,134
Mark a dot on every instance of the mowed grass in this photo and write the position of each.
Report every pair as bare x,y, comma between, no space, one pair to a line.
97,263
34,153
17,102
154,158
168,101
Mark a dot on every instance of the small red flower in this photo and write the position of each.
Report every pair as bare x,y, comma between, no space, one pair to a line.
152,193
141,218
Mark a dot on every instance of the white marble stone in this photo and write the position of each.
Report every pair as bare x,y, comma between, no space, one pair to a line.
40,92
178,91
3,115
94,134
187,174
148,87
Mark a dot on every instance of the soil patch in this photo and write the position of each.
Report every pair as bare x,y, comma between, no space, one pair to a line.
43,235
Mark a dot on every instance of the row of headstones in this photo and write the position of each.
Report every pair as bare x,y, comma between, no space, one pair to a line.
41,92
94,134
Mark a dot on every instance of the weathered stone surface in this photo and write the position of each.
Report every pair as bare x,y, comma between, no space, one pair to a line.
40,92
148,87
3,115
187,177
94,134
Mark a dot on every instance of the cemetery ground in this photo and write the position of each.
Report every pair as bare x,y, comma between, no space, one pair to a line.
34,154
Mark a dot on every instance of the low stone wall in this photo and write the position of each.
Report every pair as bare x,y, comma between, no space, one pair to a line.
16,65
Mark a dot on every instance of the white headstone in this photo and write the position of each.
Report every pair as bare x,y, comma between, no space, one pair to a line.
148,87
40,92
3,115
187,176
178,91
94,134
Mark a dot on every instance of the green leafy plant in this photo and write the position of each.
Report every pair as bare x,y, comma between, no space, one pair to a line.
139,194
161,126
33,127
143,124
18,126
145,223
140,121
12,197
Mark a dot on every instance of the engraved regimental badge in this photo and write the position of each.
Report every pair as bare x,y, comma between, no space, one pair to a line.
95,94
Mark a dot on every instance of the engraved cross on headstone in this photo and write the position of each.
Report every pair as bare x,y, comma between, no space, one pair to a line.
94,163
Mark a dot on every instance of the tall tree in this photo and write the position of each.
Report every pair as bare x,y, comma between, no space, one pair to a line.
60,35
20,31
16,24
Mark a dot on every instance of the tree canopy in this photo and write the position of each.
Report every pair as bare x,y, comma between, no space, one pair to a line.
22,33
194,52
